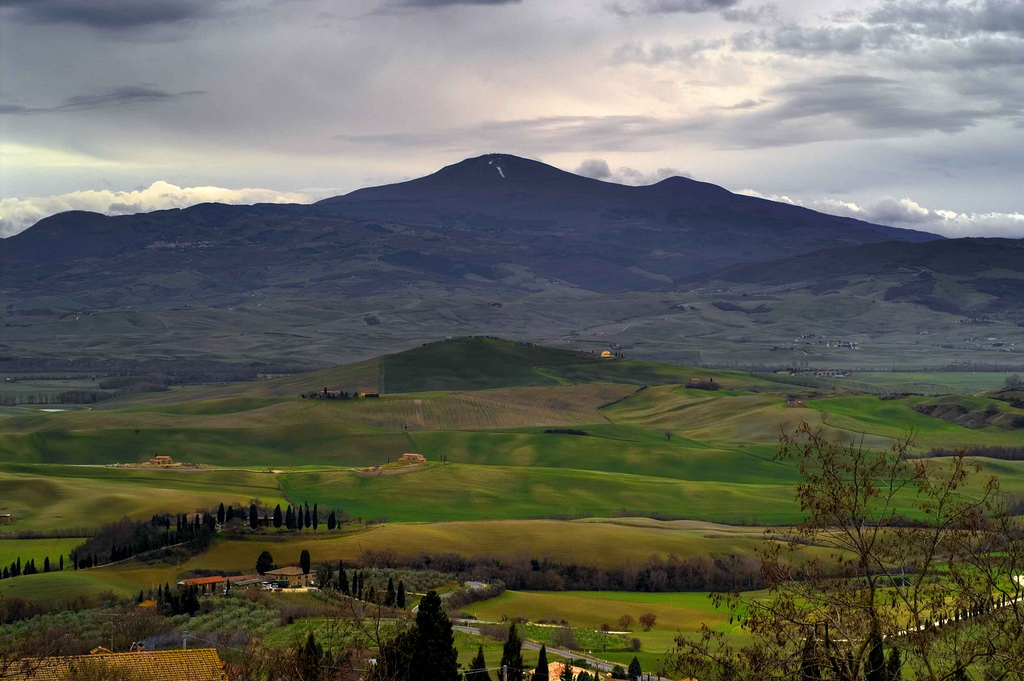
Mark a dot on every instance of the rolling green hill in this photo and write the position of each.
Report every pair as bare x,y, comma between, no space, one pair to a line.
512,432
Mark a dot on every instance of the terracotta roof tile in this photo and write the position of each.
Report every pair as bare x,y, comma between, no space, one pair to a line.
160,665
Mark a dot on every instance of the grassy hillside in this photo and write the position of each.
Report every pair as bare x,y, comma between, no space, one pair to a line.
65,497
460,492
548,434
473,364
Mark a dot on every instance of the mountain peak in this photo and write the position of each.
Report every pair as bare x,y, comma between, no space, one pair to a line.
498,169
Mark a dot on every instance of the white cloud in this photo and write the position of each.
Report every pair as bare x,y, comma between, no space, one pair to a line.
17,215
909,214
598,169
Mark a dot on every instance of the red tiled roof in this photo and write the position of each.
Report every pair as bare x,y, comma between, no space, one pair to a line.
199,581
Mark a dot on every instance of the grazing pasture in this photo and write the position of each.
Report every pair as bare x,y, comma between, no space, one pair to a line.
521,441
461,492
43,497
37,549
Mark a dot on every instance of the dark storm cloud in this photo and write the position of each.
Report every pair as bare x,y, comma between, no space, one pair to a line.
944,19
107,14
634,7
815,41
118,97
832,108
852,107
763,14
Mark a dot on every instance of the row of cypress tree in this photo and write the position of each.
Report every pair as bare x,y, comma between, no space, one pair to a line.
16,569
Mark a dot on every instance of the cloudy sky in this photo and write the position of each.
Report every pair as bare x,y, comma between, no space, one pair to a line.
907,112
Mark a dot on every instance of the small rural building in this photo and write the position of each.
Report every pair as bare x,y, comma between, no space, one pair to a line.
555,670
370,394
161,461
200,664
411,457
290,576
207,585
5,518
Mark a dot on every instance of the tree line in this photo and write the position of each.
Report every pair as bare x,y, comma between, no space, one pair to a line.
16,569
296,519
126,538
700,573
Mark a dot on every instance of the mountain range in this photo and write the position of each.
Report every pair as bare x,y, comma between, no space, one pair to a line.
494,221
496,227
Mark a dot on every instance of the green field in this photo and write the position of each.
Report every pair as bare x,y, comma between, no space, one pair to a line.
37,549
460,492
677,613
520,438
963,382
69,497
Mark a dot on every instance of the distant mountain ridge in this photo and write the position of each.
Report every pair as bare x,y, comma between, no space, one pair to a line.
480,187
495,223
972,276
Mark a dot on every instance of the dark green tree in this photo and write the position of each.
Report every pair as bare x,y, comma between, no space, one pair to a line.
541,673
566,674
220,514
478,667
634,670
316,518
309,517
190,601
308,659
875,668
512,655
400,596
277,517
254,516
265,563
342,579
304,561
618,672
894,668
389,596
332,521
434,657
583,676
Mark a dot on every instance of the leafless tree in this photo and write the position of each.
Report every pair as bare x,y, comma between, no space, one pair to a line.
914,554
